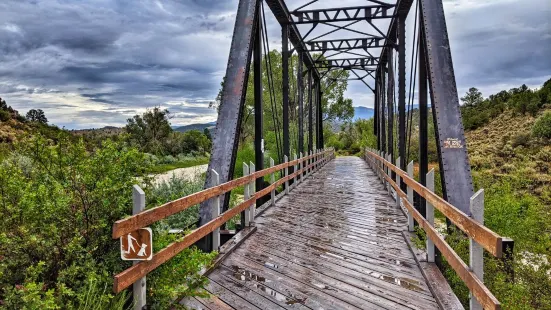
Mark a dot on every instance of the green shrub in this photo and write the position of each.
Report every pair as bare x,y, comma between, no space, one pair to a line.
542,126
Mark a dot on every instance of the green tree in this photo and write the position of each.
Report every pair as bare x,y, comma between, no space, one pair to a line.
150,131
542,126
37,115
472,98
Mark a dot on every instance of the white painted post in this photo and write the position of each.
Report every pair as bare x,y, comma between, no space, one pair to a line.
410,197
286,175
309,170
215,211
384,168
246,194
272,180
430,216
252,191
139,287
389,173
300,167
295,170
476,258
398,183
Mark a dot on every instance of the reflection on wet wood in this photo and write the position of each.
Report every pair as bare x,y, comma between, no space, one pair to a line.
334,243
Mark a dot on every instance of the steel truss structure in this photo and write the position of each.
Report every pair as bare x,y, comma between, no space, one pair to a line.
378,72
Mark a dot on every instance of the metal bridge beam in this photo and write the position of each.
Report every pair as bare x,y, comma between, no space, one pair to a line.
455,169
343,14
283,16
226,135
258,108
349,62
346,44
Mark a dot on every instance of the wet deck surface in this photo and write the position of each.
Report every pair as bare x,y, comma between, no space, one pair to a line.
334,243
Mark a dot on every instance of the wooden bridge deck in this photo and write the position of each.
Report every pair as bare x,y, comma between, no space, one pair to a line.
334,243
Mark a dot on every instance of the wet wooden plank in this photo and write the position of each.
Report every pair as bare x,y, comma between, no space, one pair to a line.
334,243
384,291
228,297
311,297
330,287
248,292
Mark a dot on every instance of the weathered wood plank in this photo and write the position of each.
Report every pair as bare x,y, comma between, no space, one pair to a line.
334,243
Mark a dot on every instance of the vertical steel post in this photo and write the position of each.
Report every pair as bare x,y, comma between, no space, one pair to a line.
300,83
390,109
226,135
139,288
410,197
430,217
383,111
402,94
320,116
258,109
285,81
216,212
476,257
423,120
310,112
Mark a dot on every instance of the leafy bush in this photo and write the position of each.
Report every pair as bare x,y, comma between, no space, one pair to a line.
58,203
57,219
542,127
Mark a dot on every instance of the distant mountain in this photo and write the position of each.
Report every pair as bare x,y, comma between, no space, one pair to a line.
199,127
363,113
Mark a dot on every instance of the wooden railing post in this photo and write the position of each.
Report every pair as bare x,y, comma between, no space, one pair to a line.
430,217
252,191
272,181
246,196
398,182
410,197
139,287
286,175
476,252
295,170
215,211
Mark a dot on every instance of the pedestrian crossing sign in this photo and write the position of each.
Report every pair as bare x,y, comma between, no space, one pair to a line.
137,245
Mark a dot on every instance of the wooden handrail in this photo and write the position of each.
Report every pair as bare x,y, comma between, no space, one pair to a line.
477,287
126,278
150,216
488,239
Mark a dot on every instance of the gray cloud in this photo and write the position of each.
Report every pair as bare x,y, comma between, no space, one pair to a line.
93,63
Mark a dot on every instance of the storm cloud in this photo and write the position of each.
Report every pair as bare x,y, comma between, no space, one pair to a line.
94,63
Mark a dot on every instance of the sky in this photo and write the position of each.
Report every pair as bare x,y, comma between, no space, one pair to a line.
95,63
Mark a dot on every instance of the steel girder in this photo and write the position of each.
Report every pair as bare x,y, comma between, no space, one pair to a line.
455,169
225,140
343,14
346,44
283,16
348,62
